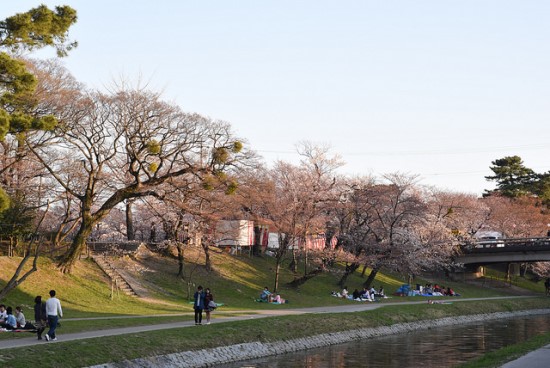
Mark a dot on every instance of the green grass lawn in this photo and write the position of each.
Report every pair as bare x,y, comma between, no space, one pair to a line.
131,346
235,281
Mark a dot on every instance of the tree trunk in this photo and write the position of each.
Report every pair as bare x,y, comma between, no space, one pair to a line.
79,242
130,231
152,233
302,280
15,280
61,233
294,263
181,260
522,269
207,261
370,279
57,237
277,270
364,271
305,259
350,268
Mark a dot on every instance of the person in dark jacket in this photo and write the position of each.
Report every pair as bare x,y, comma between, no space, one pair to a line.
39,316
198,305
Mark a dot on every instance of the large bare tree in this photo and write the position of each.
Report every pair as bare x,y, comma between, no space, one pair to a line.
124,145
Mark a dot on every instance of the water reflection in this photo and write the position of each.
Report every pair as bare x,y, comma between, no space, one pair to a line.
443,347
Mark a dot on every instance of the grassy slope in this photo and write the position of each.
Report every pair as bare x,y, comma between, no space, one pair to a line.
236,281
85,293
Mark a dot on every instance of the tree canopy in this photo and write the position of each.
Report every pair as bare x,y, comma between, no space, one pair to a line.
34,29
515,180
37,28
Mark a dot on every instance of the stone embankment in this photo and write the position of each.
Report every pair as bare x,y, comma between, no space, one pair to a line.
234,353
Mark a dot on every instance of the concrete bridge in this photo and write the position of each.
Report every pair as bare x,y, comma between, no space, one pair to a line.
507,251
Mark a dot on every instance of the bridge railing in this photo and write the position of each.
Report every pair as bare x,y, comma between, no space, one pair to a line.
510,244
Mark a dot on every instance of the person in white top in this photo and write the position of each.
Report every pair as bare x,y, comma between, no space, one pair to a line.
20,317
54,312
3,313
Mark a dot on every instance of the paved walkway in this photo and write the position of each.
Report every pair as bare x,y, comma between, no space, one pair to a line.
536,359
238,315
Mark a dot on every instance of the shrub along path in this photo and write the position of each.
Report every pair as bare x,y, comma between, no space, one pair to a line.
237,316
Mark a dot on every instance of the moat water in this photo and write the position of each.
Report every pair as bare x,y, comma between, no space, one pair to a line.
442,347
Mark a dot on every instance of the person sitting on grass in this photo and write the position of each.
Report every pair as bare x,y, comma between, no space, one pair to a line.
278,300
438,290
10,323
344,294
266,296
3,314
20,317
366,295
451,292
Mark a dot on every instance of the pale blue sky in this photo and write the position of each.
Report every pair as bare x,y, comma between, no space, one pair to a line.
435,88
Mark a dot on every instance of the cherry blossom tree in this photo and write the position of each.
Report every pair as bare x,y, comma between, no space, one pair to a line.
516,217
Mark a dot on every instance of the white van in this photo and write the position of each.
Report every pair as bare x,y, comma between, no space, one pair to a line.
489,239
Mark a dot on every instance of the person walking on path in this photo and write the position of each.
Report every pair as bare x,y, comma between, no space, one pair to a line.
40,316
209,304
54,312
198,305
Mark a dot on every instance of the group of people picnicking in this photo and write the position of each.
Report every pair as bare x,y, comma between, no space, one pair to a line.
435,290
203,300
427,290
364,295
46,314
267,296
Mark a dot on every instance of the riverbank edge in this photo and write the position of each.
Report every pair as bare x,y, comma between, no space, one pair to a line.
253,350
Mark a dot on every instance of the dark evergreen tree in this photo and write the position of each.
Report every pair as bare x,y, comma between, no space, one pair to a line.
512,177
37,28
34,29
